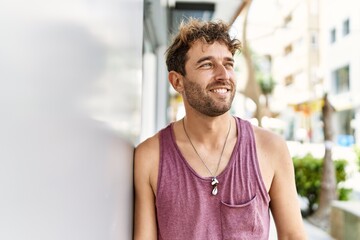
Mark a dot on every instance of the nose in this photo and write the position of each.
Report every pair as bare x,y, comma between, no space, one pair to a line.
222,73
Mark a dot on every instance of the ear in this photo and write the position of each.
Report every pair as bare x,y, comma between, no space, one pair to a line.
177,81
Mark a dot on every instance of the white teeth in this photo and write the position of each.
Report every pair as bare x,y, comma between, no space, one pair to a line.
221,90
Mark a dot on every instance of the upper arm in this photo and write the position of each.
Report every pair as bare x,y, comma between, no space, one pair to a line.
278,174
284,202
145,214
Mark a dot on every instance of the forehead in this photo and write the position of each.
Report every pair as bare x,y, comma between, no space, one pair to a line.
216,50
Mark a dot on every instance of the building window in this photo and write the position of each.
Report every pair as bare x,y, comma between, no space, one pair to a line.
341,79
314,40
333,35
346,27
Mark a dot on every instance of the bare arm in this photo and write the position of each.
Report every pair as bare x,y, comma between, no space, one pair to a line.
144,169
284,199
278,174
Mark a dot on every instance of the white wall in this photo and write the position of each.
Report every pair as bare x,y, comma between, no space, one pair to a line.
70,95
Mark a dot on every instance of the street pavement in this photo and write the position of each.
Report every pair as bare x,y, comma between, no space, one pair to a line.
313,232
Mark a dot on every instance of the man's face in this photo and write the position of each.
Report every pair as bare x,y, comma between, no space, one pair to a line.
209,83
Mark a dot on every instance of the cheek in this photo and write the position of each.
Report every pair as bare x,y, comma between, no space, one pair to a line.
233,77
192,87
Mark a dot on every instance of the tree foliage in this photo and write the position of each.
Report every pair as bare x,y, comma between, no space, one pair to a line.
267,85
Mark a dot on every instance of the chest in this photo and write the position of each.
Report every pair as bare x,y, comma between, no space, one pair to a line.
207,161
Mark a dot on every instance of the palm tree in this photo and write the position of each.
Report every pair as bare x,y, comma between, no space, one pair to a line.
267,85
321,217
252,89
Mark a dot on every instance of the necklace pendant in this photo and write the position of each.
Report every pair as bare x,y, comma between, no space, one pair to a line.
214,191
214,183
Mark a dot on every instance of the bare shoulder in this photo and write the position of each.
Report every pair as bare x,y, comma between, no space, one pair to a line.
147,159
272,153
147,148
270,143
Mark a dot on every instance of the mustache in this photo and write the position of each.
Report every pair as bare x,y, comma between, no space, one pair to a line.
227,84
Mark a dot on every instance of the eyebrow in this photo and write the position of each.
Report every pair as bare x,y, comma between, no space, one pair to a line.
209,58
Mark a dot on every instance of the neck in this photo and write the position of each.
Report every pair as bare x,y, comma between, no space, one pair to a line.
208,129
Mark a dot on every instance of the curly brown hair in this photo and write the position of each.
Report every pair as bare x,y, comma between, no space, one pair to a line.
192,31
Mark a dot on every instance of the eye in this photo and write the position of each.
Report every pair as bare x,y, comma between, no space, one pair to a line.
206,65
229,65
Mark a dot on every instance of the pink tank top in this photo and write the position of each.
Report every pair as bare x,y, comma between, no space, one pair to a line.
185,207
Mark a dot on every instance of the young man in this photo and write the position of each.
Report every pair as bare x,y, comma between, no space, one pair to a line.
212,175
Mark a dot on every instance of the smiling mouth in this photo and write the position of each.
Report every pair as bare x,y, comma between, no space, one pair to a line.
220,90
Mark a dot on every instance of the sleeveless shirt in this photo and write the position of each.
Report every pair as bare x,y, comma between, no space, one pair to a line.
185,207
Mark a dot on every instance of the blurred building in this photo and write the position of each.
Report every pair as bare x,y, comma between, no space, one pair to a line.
340,62
314,51
296,67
